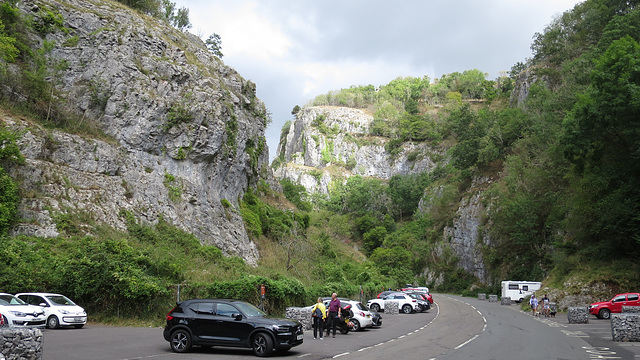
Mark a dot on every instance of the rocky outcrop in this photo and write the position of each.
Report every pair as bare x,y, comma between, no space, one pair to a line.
466,236
183,131
325,143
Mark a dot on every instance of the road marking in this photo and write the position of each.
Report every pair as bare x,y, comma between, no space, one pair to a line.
465,343
304,355
366,348
575,333
343,354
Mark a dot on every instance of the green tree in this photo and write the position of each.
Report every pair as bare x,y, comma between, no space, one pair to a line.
214,44
601,135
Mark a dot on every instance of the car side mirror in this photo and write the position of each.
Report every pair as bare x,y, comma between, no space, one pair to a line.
237,316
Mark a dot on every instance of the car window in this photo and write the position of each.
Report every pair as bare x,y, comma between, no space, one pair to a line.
250,310
619,298
34,300
59,300
10,300
360,306
206,308
632,297
226,310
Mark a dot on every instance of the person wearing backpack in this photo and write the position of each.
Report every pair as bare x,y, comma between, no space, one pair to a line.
318,313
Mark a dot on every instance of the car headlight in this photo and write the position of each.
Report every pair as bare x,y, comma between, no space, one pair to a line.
63,311
18,313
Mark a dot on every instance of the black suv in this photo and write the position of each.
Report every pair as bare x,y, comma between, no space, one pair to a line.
218,322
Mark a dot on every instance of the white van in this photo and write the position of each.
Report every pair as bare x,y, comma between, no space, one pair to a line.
518,290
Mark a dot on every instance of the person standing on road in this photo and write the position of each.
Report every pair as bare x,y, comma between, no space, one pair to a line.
545,305
319,313
334,314
534,304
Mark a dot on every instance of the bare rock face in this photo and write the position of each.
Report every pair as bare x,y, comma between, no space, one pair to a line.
185,132
326,143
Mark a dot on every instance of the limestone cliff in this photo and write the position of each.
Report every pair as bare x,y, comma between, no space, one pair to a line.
187,131
327,143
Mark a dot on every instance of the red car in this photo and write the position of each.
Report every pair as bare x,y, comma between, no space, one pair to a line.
603,309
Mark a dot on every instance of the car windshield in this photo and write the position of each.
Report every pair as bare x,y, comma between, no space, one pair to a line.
249,309
360,306
60,300
11,300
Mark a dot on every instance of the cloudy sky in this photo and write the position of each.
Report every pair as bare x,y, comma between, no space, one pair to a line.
296,49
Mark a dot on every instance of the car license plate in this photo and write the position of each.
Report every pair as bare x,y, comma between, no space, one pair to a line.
299,337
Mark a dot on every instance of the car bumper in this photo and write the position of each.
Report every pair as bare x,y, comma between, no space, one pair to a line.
27,322
73,320
286,341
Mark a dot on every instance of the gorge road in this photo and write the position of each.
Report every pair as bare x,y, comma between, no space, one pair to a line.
457,328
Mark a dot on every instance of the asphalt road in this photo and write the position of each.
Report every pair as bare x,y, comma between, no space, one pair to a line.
458,328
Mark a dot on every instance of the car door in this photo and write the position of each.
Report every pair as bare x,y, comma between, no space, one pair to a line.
633,300
617,302
228,330
202,319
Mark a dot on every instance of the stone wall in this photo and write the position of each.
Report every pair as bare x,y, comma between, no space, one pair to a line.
631,309
20,344
625,327
578,315
302,314
391,308
505,300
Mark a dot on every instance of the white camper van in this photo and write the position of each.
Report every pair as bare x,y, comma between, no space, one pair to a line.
518,290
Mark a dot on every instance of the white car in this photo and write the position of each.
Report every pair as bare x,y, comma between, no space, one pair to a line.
16,312
361,316
406,303
58,309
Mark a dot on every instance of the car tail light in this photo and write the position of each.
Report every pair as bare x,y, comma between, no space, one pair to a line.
361,314
413,300
169,317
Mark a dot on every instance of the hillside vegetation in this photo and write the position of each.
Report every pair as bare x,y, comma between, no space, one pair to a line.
563,200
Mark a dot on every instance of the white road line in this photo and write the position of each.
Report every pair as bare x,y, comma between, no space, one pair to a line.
366,348
304,355
465,343
343,354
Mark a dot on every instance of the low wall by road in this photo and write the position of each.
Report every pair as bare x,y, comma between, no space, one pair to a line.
482,296
625,326
505,300
578,315
493,298
302,314
631,309
20,344
391,308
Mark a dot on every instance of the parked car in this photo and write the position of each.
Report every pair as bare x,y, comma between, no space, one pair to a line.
406,303
360,315
424,304
232,323
386,293
58,309
603,309
16,312
376,318
425,294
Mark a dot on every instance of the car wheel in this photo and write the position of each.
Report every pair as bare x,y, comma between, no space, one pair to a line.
181,341
605,314
53,322
78,326
406,309
262,345
356,325
375,307
344,331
